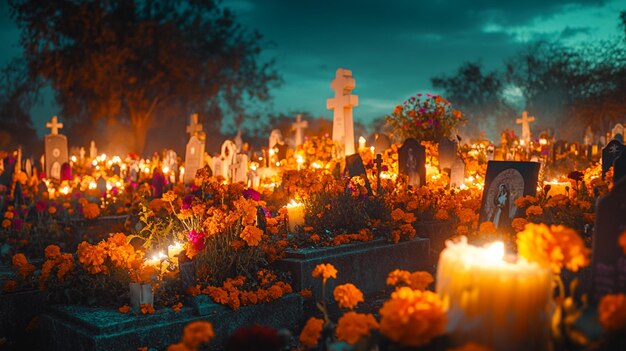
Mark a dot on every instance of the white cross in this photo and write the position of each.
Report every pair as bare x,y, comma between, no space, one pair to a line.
298,126
341,104
194,127
54,126
525,122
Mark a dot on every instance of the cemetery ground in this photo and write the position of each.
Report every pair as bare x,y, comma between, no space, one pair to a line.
417,242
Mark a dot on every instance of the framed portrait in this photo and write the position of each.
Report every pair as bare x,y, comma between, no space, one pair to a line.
505,181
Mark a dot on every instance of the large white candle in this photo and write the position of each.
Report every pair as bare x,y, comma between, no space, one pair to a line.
495,302
295,214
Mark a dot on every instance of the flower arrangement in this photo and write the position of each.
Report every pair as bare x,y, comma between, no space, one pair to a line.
425,118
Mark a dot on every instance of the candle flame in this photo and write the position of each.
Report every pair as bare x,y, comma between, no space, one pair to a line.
293,203
495,251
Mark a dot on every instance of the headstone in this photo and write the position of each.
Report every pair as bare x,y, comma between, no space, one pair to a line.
525,122
608,259
610,152
194,152
239,169
588,138
412,162
223,163
299,126
457,173
66,171
56,149
618,132
276,138
28,167
101,185
342,104
93,150
354,167
381,143
619,168
81,154
447,153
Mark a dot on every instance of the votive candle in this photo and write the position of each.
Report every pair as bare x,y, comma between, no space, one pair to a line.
295,213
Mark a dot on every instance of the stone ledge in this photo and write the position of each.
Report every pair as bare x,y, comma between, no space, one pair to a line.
88,328
365,265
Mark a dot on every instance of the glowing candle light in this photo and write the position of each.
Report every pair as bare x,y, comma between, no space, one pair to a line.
362,143
495,302
174,250
295,213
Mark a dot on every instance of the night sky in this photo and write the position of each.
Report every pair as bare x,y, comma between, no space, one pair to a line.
392,48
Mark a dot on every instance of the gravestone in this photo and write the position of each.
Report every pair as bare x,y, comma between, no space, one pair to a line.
412,162
239,169
457,173
341,105
525,122
619,168
223,163
618,132
610,152
381,143
93,150
276,138
608,260
354,167
194,152
447,153
299,127
101,185
55,145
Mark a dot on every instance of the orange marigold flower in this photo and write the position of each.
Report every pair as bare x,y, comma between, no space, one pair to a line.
146,308
420,280
315,238
487,228
409,308
347,295
310,335
442,215
9,215
251,235
124,309
462,230
52,252
398,276
534,211
622,241
518,224
352,326
19,260
91,256
196,334
470,346
91,211
52,210
306,293
525,201
324,271
6,223
169,196
612,312
554,247
177,307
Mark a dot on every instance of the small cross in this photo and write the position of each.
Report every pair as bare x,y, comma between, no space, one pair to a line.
54,126
298,126
194,127
379,162
525,122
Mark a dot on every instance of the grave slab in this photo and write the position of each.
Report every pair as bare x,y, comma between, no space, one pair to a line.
69,327
364,264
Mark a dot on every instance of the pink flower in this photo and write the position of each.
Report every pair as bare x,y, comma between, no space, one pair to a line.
197,239
40,206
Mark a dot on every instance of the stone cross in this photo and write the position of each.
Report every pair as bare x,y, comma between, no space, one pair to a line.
54,126
93,151
525,122
299,126
194,127
342,104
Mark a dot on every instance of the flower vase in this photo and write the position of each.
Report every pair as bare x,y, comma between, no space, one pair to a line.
141,294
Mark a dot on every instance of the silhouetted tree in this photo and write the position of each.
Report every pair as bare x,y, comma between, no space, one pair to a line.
138,62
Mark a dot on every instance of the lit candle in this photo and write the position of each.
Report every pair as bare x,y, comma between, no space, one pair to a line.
361,143
496,303
295,213
558,188
174,250
156,260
